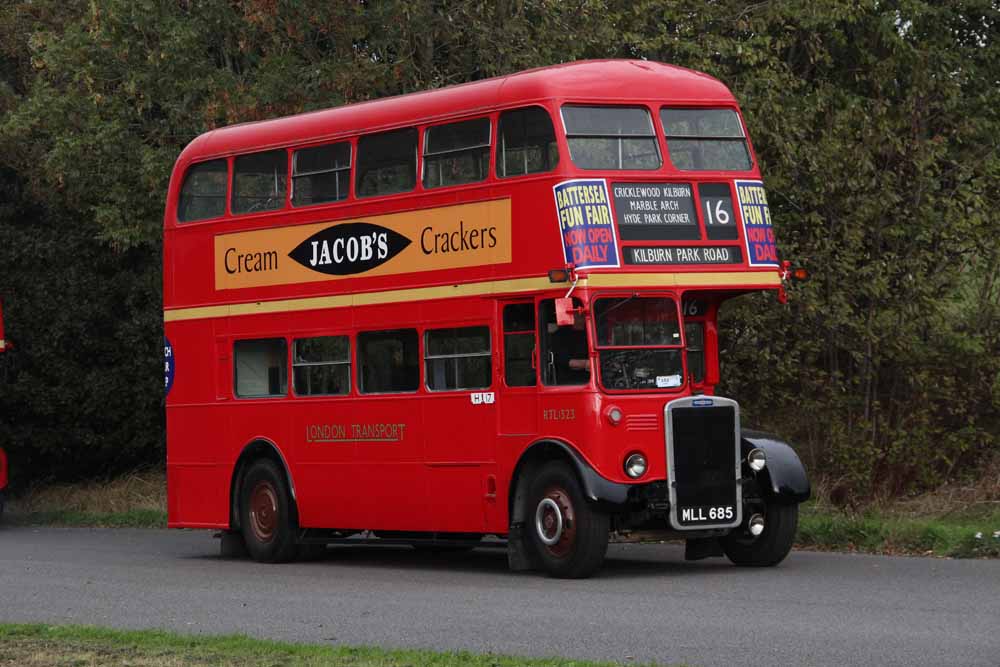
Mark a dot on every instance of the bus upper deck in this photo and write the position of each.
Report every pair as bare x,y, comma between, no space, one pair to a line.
624,167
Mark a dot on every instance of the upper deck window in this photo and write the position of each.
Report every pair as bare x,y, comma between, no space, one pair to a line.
260,181
526,143
705,139
321,174
457,153
610,137
387,163
203,195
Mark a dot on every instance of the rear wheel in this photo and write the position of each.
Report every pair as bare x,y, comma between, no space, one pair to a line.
567,535
772,545
266,514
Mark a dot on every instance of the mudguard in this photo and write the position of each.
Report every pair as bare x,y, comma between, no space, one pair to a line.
784,478
596,488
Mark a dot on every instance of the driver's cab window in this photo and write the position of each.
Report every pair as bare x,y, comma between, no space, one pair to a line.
565,352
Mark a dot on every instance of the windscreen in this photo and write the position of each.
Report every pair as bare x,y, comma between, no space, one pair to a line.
639,343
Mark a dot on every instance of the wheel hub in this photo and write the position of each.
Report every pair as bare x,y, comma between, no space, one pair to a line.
263,511
555,522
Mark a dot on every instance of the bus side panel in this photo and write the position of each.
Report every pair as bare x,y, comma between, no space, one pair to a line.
459,453
197,480
197,469
359,463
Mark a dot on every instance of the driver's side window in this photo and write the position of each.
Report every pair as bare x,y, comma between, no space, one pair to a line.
565,352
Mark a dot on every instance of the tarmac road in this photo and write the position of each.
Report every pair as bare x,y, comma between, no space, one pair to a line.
647,604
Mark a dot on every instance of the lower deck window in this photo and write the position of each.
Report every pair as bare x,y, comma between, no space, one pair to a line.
321,366
388,361
458,358
261,367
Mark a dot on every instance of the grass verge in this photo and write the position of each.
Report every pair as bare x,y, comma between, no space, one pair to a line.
141,518
878,533
38,645
137,500
960,519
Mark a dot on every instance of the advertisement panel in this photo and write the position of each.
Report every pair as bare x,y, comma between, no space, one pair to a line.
448,237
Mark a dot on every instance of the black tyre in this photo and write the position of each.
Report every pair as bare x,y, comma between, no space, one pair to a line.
771,546
568,537
267,517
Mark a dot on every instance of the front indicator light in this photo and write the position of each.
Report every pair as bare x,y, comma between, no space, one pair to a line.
614,415
756,525
635,465
756,459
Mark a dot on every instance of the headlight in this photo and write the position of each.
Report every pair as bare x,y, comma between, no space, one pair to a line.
635,465
756,459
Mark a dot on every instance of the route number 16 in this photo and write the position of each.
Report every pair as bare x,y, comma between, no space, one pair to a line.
721,216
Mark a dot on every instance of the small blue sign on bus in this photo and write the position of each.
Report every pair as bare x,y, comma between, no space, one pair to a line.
168,365
702,402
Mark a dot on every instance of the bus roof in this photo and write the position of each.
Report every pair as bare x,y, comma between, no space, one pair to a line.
589,80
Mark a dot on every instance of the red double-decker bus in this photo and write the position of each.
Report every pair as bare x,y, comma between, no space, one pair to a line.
485,310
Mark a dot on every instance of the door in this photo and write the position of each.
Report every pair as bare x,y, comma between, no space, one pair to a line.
518,400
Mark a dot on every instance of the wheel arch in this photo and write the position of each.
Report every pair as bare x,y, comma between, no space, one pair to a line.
596,488
258,448
784,478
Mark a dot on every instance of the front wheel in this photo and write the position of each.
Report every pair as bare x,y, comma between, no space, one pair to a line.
771,546
568,536
266,514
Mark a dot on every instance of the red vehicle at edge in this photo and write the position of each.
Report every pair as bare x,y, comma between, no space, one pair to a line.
4,346
483,310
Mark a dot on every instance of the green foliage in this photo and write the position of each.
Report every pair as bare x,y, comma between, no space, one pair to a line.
876,125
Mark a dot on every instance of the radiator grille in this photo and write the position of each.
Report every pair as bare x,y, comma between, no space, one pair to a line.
703,454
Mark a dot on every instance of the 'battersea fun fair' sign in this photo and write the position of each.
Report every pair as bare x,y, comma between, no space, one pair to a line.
585,224
761,249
